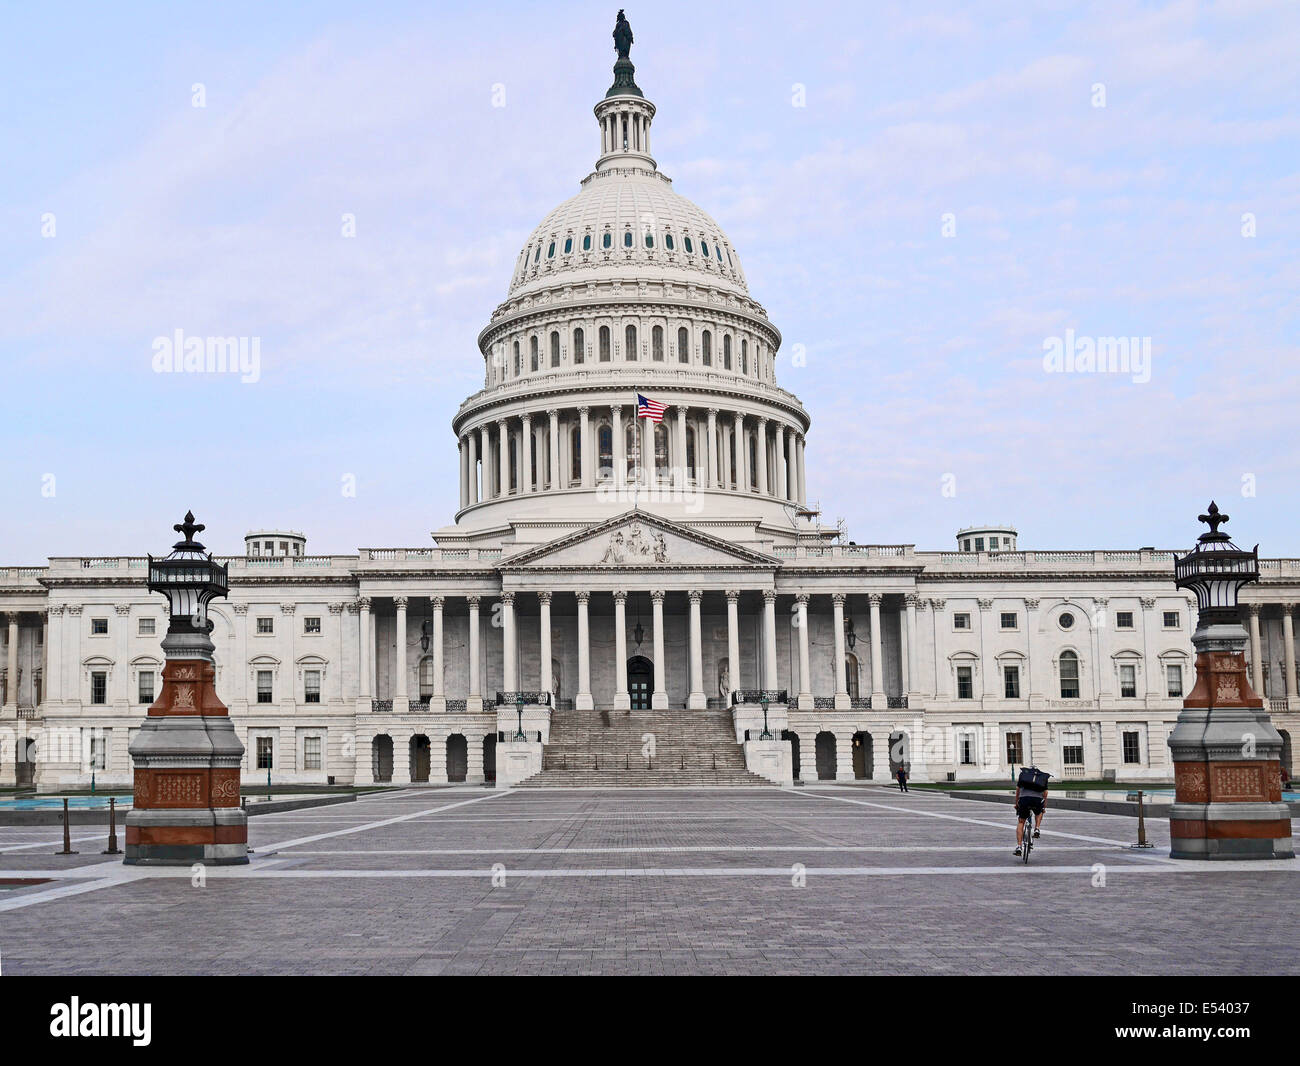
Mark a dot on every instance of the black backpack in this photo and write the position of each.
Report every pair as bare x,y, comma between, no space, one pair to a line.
1032,777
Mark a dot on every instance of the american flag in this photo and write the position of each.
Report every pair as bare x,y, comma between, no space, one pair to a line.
650,409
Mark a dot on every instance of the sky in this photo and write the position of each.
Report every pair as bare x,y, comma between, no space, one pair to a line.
933,202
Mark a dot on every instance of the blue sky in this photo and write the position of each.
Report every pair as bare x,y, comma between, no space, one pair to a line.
924,352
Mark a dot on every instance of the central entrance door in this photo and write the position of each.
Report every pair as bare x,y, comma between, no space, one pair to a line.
640,682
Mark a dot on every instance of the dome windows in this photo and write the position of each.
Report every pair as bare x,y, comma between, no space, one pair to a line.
668,241
607,241
568,245
704,248
555,348
532,354
537,255
550,252
690,250
683,345
604,340
717,251
726,352
706,347
657,344
579,347
649,240
586,242
627,239
629,338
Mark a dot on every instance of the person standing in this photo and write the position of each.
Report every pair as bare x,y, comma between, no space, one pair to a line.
902,778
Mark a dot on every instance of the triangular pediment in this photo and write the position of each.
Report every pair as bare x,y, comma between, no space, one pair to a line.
636,540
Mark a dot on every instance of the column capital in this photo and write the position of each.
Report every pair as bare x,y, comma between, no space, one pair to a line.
733,595
620,596
911,599
508,599
526,418
1287,609
288,608
473,602
762,421
122,608
238,608
437,602
695,595
838,598
399,602
502,422
74,609
657,595
544,598
1253,608
1031,603
801,599
552,413
938,604
57,608
985,605
1147,601
875,599
713,412
769,596
583,408
337,608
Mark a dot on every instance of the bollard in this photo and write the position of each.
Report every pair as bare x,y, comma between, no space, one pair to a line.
67,837
1142,827
112,827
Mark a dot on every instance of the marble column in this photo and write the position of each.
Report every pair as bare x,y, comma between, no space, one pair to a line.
696,701
544,640
711,456
553,482
805,681
792,467
622,701
742,453
620,445
659,699
913,670
485,457
503,457
905,651
401,701
650,473
1256,656
583,700
472,440
474,698
584,445
439,700
803,481
841,679
526,458
464,475
679,460
509,660
1288,650
878,702
733,641
11,686
760,454
54,656
769,640
781,487
364,652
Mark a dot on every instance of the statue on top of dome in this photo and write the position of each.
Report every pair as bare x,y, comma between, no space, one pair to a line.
622,36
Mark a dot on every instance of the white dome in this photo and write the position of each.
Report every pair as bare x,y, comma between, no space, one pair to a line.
627,218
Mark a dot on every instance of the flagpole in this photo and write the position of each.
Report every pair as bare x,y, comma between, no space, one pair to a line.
636,447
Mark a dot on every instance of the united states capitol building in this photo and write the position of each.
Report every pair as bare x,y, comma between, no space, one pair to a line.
636,602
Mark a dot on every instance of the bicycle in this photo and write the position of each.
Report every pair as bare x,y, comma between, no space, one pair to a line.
1028,844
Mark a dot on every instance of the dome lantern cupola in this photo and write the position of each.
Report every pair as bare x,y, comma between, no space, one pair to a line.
624,115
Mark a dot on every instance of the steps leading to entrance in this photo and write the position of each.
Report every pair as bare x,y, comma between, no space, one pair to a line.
642,748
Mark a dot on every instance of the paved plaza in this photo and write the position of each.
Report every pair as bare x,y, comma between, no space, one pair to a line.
834,879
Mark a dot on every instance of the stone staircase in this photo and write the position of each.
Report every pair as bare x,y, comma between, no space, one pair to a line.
692,749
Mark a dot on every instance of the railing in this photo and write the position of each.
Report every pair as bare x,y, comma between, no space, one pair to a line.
823,703
457,706
895,703
507,736
860,703
757,695
523,699
419,706
1277,704
381,706
1073,771
27,712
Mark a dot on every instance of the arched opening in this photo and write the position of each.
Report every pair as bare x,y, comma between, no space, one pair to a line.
419,759
575,452
863,755
683,345
457,758
706,348
726,351
793,738
426,678
630,446
381,758
1069,675
605,449
640,682
604,335
490,758
852,681
555,348
661,450
25,769
532,354
690,452
825,756
629,342
579,345
657,344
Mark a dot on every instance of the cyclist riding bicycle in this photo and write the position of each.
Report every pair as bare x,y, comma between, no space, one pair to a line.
1030,800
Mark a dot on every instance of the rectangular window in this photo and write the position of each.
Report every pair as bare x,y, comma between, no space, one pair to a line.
979,544
146,686
1011,682
98,627
1015,749
1132,747
1128,687
311,686
1010,620
311,624
1171,620
266,625
1072,749
264,686
311,753
965,683
967,742
98,687
961,621
1123,619
99,753
146,627
265,753
1174,680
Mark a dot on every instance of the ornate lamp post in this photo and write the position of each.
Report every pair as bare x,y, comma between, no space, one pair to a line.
767,733
187,756
1228,802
